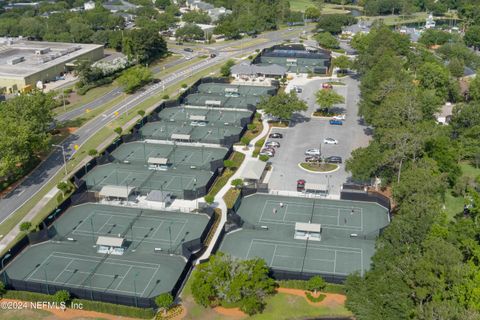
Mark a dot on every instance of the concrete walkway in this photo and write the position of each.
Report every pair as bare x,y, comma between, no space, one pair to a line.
219,202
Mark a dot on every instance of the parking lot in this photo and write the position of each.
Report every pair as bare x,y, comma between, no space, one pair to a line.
306,132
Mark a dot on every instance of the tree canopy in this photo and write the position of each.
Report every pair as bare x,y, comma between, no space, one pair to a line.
326,40
135,78
226,280
25,121
282,105
327,98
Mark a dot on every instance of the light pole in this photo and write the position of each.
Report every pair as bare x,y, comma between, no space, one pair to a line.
4,272
135,288
63,153
170,235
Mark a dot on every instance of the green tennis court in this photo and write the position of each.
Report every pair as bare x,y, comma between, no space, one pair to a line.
215,116
221,101
348,233
243,90
151,264
139,152
175,179
163,130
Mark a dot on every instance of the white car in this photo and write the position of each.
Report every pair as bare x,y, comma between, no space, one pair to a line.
267,153
339,117
274,144
198,124
330,141
312,152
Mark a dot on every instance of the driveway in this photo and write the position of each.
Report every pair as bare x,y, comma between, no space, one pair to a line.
306,132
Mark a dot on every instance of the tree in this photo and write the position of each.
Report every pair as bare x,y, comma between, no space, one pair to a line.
434,76
189,32
64,187
25,226
143,45
333,23
164,301
237,183
326,40
432,37
456,67
25,124
200,17
312,13
342,62
225,70
472,37
328,98
316,283
474,89
282,105
223,279
61,296
118,130
135,78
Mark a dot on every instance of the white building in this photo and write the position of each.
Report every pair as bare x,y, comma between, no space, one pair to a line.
90,5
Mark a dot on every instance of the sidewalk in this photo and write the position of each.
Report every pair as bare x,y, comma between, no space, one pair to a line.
219,197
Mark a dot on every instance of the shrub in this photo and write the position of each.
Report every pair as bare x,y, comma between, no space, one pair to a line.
209,199
251,126
237,183
251,305
115,309
316,283
61,296
228,163
28,296
118,130
141,113
92,152
264,158
166,97
184,85
314,299
2,289
245,141
164,301
25,226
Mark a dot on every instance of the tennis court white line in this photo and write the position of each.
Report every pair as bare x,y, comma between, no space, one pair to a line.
64,269
178,234
143,217
340,249
301,258
135,238
328,226
108,220
124,276
335,262
248,251
316,205
106,262
40,266
273,257
151,278
96,274
137,263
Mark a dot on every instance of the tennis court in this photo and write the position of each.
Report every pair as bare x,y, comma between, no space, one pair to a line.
177,155
243,90
71,258
175,180
212,116
348,233
221,101
163,130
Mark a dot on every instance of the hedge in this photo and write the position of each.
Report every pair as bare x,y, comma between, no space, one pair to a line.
28,296
314,299
302,285
115,309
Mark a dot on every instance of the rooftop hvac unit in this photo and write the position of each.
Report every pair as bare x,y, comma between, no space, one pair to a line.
15,60
42,51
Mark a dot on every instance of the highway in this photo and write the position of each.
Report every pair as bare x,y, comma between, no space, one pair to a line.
54,162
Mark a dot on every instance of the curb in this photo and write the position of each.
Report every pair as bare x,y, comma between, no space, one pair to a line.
319,172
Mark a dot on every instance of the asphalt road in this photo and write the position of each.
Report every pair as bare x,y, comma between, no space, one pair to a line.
50,166
307,132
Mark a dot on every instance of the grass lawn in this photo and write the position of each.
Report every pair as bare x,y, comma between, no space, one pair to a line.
279,306
32,314
324,167
454,205
252,134
231,196
258,147
91,95
237,159
301,5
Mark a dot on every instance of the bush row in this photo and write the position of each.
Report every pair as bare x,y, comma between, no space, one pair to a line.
314,299
115,309
28,296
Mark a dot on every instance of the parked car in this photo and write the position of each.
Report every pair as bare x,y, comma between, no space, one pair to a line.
327,86
276,135
339,117
266,153
330,141
312,159
274,144
333,159
271,149
213,55
188,49
300,185
297,89
312,152
198,123
336,122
